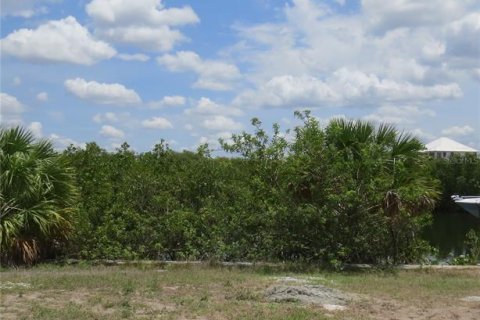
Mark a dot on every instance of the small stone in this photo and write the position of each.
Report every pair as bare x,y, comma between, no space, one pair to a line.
333,307
309,294
471,299
290,279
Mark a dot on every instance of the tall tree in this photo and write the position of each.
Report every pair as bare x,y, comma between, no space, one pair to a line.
390,174
37,197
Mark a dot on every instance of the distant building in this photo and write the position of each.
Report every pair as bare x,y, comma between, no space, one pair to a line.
445,147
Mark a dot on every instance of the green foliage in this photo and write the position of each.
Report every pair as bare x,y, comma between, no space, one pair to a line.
472,243
458,175
370,187
347,193
37,197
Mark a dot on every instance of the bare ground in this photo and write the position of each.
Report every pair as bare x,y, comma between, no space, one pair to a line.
219,293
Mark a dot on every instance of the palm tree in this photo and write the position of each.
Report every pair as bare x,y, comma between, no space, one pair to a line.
37,197
404,186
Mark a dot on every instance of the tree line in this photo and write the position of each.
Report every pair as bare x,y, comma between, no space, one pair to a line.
349,192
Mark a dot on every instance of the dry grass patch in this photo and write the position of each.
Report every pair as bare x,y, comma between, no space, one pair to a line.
205,292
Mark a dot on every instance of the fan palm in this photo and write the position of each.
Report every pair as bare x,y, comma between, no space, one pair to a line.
394,153
391,162
37,197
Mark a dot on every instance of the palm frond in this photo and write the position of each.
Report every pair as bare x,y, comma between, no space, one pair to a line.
37,195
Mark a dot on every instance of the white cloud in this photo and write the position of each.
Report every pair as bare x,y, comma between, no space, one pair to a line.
476,74
399,114
102,93
147,38
212,140
388,15
42,96
324,121
406,69
344,87
146,24
10,104
106,117
62,40
111,132
173,100
316,57
17,81
157,123
205,106
457,131
168,101
424,136
10,110
150,12
62,142
212,74
133,57
203,140
36,129
221,123
462,43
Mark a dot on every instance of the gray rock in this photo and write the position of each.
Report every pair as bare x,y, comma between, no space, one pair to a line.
471,299
311,294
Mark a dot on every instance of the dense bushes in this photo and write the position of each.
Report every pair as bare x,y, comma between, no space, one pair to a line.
346,193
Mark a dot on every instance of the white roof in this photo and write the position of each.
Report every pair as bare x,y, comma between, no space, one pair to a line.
446,144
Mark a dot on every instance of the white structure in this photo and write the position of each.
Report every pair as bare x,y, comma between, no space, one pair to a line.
445,147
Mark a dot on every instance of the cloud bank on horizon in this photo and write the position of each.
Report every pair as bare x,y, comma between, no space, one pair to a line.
193,72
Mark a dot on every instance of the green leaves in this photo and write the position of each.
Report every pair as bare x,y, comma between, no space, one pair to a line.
350,192
37,195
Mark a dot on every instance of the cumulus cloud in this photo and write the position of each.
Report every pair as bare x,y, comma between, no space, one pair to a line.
105,117
212,139
168,101
423,135
146,24
476,74
316,57
10,104
111,132
457,131
462,43
133,57
36,129
10,110
399,114
205,106
344,87
221,123
387,15
62,40
212,74
157,123
42,96
102,93
61,142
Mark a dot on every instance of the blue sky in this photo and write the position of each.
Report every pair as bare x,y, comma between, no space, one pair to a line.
191,72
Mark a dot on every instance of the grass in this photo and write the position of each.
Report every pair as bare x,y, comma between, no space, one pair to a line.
207,292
